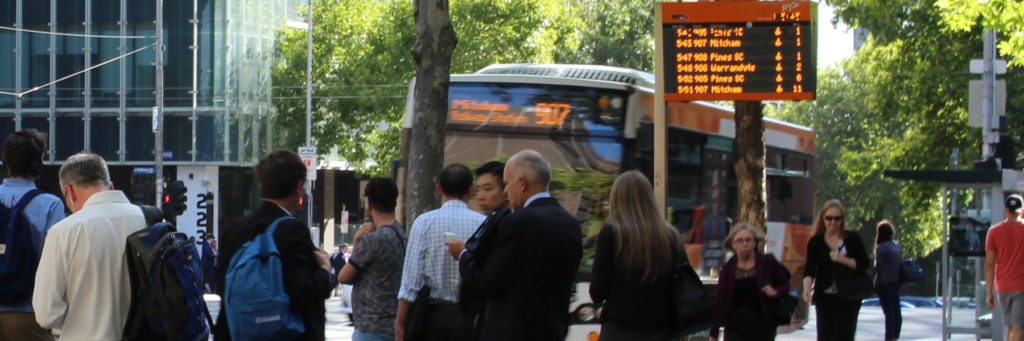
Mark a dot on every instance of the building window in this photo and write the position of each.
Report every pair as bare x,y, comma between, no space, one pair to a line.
139,133
210,136
35,54
104,135
71,135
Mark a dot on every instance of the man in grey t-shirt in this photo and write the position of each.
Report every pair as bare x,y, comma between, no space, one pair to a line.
375,267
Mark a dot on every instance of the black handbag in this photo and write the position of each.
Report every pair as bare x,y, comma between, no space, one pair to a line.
416,322
691,306
782,308
851,285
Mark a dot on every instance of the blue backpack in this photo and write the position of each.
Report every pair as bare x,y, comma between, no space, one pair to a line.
254,298
167,287
18,255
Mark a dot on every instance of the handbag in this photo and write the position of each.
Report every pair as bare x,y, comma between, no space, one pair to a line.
851,285
691,307
910,271
782,308
416,322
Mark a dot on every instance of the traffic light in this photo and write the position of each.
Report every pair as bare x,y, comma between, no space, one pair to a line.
174,199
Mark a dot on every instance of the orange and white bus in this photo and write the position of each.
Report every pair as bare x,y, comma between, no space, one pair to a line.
594,122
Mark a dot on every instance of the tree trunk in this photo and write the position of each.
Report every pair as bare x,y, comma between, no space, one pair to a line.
748,154
433,53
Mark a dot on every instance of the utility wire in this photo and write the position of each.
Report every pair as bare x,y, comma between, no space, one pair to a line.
23,93
73,34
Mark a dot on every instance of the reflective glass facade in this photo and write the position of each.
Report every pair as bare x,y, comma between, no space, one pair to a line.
217,77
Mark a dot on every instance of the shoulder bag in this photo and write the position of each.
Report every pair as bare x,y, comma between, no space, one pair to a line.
691,307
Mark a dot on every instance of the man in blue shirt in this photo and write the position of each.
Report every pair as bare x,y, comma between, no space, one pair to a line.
23,155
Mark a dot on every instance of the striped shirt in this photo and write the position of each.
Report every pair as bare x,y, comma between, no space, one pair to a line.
42,212
427,260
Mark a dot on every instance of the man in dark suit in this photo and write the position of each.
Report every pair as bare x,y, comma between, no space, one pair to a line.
281,175
528,274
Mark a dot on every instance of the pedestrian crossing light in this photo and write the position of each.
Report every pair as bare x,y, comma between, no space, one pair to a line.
174,199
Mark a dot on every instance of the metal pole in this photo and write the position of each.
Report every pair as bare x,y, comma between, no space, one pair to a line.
309,75
988,135
159,62
309,101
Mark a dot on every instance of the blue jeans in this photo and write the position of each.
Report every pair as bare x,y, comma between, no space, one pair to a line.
364,336
889,298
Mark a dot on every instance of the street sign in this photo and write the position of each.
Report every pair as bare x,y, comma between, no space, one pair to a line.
737,50
156,119
308,155
998,66
975,116
144,170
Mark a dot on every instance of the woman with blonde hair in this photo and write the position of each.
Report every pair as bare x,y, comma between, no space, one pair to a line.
748,284
831,250
633,264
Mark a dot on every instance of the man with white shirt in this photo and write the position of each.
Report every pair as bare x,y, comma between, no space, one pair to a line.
82,285
427,262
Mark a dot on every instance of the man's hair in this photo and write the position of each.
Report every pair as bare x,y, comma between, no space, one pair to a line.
495,168
278,173
84,169
530,164
382,194
23,152
456,179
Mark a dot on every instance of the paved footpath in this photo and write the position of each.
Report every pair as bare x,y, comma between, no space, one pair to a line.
337,328
918,324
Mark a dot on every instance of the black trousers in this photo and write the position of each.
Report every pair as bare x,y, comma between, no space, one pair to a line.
447,321
836,320
889,297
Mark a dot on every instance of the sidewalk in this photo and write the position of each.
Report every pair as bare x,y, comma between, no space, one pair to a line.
918,324
337,327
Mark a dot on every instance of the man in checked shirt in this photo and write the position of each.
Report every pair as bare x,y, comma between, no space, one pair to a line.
427,262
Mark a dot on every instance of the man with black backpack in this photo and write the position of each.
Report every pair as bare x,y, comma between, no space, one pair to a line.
24,228
82,285
271,278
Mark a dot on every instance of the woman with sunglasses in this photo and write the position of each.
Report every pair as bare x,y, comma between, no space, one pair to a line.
832,247
746,285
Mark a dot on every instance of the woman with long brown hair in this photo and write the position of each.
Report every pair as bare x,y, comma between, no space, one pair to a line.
748,285
635,255
888,255
830,250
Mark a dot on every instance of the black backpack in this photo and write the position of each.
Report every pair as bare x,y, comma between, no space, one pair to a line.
167,287
18,255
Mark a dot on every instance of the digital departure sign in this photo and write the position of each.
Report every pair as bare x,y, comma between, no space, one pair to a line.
738,50
539,114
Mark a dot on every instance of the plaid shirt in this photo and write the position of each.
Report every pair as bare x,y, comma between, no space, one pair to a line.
427,260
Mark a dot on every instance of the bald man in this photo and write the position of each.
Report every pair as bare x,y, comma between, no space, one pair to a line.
528,275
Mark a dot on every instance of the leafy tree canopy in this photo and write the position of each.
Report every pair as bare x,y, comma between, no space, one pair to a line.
898,104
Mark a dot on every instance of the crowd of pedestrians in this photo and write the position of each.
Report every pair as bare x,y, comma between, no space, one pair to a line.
496,261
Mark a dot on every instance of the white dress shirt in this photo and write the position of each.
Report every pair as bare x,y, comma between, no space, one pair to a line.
82,284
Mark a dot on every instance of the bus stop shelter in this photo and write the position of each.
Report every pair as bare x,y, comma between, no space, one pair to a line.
972,200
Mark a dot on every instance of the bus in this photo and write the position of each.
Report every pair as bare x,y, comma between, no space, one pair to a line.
595,122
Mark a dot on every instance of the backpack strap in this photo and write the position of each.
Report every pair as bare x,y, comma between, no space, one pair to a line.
273,226
25,199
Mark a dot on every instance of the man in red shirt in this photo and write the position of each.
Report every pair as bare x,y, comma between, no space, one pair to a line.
1004,262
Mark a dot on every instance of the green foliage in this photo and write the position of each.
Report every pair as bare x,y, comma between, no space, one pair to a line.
1004,16
363,63
898,104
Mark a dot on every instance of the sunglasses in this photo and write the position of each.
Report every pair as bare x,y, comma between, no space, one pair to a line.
834,218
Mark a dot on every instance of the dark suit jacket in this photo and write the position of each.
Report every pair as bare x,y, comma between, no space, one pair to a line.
305,282
528,276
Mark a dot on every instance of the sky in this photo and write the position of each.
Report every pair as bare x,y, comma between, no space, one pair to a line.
834,43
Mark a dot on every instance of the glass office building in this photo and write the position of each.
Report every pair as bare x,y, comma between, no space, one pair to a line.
217,84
